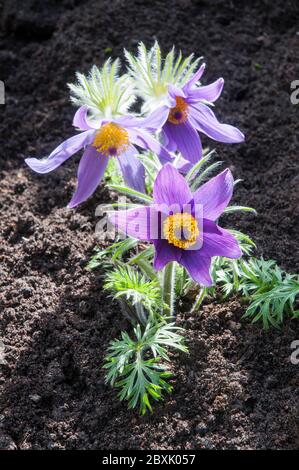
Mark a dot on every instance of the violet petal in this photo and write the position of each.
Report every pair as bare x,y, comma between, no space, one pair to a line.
90,171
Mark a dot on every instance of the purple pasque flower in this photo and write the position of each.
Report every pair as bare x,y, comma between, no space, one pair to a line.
102,140
190,238
189,113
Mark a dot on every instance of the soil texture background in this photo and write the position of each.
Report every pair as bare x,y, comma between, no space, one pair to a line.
237,389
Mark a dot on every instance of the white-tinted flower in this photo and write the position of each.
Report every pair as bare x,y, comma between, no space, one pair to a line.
105,93
151,74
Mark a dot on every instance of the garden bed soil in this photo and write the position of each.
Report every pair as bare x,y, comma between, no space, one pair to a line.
237,389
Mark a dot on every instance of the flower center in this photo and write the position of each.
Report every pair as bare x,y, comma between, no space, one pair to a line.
181,230
111,140
179,113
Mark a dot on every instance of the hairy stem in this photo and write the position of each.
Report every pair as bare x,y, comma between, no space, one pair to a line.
147,269
168,280
199,299
141,314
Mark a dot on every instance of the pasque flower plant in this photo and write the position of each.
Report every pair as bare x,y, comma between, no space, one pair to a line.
186,244
179,224
178,108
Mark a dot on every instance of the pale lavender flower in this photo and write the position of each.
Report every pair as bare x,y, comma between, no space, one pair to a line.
117,138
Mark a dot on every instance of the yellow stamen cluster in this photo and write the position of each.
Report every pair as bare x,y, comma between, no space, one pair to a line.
111,140
179,113
181,230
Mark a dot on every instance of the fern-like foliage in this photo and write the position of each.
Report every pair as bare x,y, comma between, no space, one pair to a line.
105,93
151,73
105,257
224,272
272,293
135,365
135,288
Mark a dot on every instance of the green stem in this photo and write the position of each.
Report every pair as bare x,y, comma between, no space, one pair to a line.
199,299
141,315
147,269
168,294
235,276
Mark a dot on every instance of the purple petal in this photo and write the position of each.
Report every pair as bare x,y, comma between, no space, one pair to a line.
132,169
194,79
209,92
175,91
144,140
90,171
170,187
198,266
153,122
218,241
183,165
203,118
61,153
215,195
156,119
141,223
80,119
186,138
165,253
168,142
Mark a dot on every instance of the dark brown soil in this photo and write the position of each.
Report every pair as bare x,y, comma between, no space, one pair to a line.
237,388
